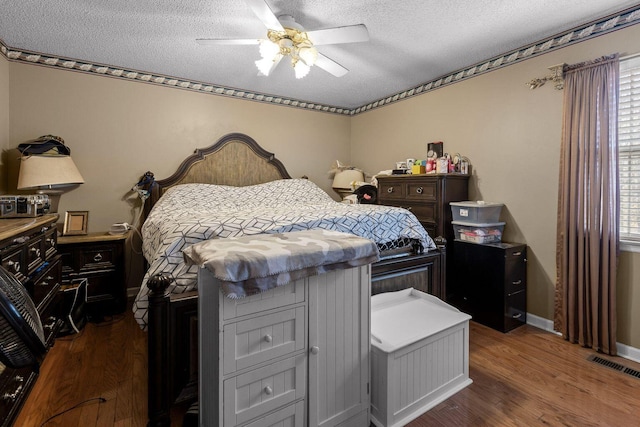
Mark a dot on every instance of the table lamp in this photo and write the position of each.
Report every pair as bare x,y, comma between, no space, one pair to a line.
50,175
342,181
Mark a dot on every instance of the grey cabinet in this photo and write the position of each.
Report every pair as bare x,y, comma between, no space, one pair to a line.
295,355
490,283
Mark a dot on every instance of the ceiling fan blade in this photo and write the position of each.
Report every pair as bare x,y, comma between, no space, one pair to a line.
348,34
330,66
264,13
208,42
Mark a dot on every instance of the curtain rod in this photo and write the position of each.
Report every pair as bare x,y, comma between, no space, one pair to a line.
630,56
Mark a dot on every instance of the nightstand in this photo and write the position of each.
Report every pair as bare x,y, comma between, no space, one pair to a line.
99,258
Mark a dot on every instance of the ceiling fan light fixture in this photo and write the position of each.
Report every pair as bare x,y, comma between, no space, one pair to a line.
309,55
268,49
266,65
301,69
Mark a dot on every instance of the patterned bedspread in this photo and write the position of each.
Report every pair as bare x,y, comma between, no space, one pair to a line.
192,213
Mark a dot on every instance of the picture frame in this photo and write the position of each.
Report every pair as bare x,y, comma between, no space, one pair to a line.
75,223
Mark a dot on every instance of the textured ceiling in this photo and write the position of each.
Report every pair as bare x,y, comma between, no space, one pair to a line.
411,41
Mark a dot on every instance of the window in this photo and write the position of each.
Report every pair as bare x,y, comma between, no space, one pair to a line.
629,152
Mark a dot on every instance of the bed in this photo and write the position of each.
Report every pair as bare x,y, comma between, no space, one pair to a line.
210,197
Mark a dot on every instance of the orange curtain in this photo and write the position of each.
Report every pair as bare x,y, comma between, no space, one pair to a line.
588,205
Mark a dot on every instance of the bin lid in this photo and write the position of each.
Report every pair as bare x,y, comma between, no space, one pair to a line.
478,224
477,204
404,317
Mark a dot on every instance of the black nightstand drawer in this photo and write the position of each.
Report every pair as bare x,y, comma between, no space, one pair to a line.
98,258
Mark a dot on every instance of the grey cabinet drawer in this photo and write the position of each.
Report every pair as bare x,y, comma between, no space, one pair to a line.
292,415
260,339
258,392
281,296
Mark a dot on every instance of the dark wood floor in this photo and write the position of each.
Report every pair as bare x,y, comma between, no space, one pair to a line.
527,377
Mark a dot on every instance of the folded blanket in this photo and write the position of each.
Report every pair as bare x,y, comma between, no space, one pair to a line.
252,264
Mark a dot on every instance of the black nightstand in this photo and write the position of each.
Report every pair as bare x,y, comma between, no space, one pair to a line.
490,283
99,258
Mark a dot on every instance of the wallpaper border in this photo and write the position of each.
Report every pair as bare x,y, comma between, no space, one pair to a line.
588,31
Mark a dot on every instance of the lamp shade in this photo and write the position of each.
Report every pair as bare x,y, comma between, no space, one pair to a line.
343,179
47,171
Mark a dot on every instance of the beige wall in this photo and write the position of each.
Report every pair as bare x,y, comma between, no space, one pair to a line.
119,129
511,134
4,115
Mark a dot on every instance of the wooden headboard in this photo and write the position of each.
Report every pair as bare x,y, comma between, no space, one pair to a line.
235,159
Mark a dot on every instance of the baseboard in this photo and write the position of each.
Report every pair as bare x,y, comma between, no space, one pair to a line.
624,350
628,352
541,323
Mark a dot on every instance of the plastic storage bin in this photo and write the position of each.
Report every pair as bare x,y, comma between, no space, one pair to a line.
419,355
478,232
477,212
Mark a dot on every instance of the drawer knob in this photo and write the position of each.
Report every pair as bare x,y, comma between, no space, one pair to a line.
517,316
315,349
46,280
15,266
268,390
36,251
419,190
517,253
517,282
268,338
97,258
51,242
390,190
13,396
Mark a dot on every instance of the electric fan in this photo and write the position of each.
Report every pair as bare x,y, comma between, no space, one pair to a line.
21,333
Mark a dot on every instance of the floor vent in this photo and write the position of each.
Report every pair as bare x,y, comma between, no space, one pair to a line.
614,365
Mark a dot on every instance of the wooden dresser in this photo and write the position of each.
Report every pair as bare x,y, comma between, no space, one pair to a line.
28,250
428,197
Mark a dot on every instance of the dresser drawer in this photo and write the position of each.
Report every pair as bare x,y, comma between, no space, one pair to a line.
46,285
13,262
515,270
424,212
291,293
50,243
422,190
263,390
391,190
260,339
515,310
35,254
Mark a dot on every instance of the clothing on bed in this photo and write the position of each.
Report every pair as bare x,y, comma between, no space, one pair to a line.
191,213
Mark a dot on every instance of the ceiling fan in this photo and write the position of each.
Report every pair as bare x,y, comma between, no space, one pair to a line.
285,37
